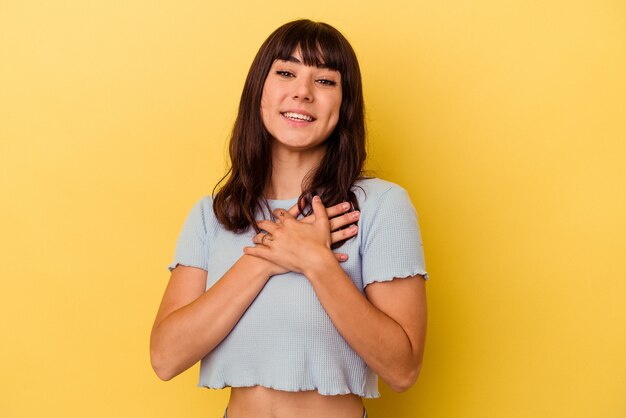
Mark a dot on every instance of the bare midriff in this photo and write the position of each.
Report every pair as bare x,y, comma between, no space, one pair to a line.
262,402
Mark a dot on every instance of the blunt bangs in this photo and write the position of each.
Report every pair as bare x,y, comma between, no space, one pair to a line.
319,44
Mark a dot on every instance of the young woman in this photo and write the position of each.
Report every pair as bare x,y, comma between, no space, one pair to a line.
300,281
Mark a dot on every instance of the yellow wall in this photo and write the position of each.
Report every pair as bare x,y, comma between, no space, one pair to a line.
505,120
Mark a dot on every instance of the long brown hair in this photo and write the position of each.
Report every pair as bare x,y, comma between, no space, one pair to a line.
241,196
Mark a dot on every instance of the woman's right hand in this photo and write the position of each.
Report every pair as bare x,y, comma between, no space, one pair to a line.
339,216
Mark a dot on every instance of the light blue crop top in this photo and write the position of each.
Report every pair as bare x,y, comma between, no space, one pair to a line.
285,340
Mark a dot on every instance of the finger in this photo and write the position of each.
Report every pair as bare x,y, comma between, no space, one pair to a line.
341,257
294,211
342,234
308,219
343,220
319,210
282,214
331,212
258,238
338,209
268,226
262,238
267,239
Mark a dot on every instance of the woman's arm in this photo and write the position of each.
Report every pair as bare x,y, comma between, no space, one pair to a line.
191,322
387,331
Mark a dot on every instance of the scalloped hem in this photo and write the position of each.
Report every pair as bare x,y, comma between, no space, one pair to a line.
373,395
178,263
399,276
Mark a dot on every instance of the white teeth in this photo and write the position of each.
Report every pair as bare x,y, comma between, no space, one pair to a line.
298,116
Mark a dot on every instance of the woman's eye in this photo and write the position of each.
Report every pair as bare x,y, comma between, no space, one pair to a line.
284,73
327,82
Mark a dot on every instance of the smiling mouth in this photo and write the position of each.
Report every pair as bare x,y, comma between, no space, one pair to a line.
298,117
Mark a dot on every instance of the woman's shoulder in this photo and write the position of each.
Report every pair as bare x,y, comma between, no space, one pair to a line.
206,202
201,214
204,206
373,189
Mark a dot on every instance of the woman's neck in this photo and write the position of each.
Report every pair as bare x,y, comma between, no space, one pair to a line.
289,170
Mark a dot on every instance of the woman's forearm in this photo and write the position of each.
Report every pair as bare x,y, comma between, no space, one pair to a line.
377,338
189,333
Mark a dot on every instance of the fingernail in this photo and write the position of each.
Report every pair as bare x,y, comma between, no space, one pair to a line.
345,206
343,257
353,228
316,199
355,214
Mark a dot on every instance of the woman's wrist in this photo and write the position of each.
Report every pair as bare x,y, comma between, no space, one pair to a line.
320,264
260,266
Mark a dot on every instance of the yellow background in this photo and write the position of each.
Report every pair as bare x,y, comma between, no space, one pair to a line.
505,120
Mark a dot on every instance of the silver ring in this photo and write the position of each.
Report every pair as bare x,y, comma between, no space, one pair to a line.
266,235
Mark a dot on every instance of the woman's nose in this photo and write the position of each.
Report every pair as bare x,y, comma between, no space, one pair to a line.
303,90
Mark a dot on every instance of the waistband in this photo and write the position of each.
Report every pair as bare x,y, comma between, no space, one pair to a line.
226,410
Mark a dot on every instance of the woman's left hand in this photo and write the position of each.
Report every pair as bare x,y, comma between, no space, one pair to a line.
296,245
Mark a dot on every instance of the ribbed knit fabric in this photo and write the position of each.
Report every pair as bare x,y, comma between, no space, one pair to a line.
285,340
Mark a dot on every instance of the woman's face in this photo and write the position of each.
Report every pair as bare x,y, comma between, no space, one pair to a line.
300,104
